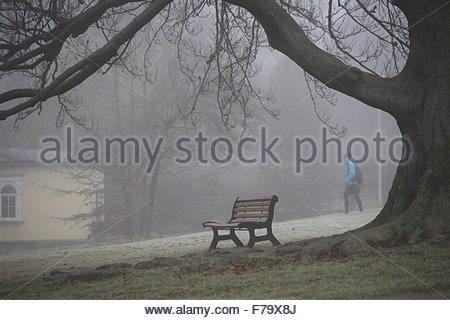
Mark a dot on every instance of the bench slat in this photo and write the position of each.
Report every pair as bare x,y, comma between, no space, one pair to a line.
266,209
248,220
252,204
254,199
221,225
249,215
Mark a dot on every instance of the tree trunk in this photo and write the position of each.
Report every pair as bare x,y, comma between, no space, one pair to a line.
151,198
418,205
419,201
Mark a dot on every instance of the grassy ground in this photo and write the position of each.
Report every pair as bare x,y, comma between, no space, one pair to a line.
181,270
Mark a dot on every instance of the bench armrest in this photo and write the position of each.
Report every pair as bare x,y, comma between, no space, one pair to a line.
203,224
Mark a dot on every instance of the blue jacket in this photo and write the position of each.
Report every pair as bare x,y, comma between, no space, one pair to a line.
350,172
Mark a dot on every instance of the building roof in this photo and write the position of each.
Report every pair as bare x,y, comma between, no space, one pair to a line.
16,156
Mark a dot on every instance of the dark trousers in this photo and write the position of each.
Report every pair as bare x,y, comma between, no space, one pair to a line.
353,190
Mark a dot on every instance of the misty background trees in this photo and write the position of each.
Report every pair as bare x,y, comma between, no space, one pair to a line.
390,55
176,198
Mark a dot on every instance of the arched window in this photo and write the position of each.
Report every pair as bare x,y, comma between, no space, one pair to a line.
9,202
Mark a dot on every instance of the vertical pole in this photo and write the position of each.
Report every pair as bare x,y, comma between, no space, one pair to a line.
380,182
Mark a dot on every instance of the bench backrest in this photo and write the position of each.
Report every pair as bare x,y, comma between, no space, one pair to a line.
258,210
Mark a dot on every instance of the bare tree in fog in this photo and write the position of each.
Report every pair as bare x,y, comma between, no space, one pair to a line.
39,39
128,113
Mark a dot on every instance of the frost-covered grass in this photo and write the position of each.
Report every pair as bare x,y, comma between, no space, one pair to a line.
181,267
92,254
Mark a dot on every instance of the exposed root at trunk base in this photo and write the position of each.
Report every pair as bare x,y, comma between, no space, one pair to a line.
361,241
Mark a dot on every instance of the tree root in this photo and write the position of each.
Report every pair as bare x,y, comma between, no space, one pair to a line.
361,241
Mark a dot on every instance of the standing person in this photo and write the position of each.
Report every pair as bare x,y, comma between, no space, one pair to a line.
351,185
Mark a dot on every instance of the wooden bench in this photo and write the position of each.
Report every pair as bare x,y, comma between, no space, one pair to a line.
249,214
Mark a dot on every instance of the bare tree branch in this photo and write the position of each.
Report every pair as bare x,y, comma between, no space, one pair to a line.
285,35
79,72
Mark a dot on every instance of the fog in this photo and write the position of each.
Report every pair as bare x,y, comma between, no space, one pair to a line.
177,196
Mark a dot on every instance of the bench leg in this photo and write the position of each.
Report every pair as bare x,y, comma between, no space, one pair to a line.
215,239
231,236
269,236
272,238
252,240
235,239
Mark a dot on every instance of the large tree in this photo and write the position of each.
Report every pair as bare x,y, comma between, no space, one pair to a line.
403,68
